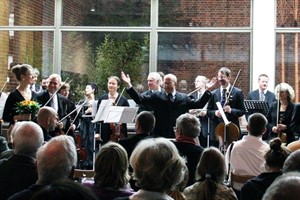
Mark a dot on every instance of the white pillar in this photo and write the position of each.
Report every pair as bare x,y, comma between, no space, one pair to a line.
264,18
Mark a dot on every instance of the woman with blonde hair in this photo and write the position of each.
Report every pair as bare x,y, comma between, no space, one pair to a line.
210,172
280,114
111,173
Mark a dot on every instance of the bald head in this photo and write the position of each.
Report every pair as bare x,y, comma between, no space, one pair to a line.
47,118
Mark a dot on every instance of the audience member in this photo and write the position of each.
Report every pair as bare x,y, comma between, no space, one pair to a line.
286,187
19,171
168,104
111,173
255,188
292,163
144,124
47,119
177,192
210,174
157,168
55,160
246,156
280,120
64,190
5,151
187,131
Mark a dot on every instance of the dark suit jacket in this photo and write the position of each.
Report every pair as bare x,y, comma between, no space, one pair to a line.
192,153
105,127
16,173
236,102
287,117
165,111
295,121
65,106
10,105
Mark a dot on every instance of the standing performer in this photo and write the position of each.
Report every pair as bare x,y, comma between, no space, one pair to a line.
168,104
111,131
233,104
280,115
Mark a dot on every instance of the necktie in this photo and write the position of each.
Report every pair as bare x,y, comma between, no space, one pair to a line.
223,98
170,97
199,95
262,96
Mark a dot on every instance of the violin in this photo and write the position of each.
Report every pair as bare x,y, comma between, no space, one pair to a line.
117,132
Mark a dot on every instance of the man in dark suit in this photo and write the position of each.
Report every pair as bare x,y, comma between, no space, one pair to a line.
19,171
154,82
231,99
262,93
187,131
58,102
168,104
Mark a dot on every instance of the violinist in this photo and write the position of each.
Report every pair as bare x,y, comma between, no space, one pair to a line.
230,97
111,131
57,101
280,114
86,126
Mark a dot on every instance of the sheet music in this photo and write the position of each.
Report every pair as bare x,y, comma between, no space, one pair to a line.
220,108
3,98
102,111
119,114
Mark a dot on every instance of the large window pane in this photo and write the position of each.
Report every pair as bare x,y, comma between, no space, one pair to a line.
93,56
34,48
27,12
287,60
204,13
190,54
288,14
106,13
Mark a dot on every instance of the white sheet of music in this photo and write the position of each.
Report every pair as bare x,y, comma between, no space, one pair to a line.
222,113
102,111
119,114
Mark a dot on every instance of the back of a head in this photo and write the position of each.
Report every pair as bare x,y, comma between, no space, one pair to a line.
292,163
277,154
44,114
27,138
257,123
146,120
111,166
157,165
64,189
56,159
285,187
188,125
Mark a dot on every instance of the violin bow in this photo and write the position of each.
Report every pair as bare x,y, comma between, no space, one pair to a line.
7,80
78,108
120,96
57,91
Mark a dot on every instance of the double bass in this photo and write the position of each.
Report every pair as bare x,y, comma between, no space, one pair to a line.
227,133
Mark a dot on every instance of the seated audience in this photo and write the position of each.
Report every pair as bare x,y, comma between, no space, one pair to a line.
111,173
144,124
210,173
177,192
275,157
19,171
55,160
47,119
286,187
246,156
5,151
187,130
292,163
157,168
64,189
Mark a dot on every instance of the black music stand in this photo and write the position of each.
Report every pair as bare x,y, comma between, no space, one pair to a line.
253,106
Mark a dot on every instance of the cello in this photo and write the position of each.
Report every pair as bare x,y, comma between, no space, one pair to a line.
227,133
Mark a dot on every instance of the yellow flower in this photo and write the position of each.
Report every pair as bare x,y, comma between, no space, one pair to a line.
27,107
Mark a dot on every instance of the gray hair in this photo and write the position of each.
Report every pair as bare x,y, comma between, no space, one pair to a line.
284,87
188,125
292,163
56,159
27,138
156,76
172,77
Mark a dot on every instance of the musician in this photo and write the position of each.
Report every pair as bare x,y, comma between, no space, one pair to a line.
35,86
24,75
200,84
280,116
262,93
86,126
58,102
168,104
109,131
230,97
295,122
154,82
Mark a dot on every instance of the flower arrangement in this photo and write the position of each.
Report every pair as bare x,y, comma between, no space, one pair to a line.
27,107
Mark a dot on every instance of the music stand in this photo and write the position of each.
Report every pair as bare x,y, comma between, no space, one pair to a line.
253,106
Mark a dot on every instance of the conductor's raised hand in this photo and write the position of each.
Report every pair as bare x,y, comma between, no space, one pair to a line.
126,79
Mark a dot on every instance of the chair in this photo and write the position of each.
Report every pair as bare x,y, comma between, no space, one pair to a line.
239,178
78,173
